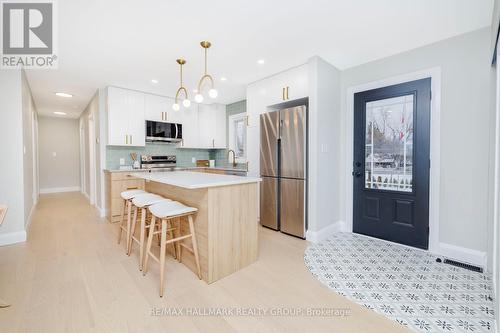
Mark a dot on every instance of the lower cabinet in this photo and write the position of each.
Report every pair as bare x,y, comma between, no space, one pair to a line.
116,183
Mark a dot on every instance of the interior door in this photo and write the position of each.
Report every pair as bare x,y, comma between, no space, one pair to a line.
391,163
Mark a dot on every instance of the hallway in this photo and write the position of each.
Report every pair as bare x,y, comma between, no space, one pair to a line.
71,276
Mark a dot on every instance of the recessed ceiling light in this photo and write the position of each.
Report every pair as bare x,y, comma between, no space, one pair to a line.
60,113
154,81
61,94
223,79
261,61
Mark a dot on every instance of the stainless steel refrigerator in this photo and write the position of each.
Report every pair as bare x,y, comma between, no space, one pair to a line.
283,169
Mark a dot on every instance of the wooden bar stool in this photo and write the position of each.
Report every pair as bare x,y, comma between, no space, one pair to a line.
166,212
127,197
141,203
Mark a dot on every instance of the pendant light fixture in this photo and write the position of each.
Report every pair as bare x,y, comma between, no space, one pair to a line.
186,102
212,93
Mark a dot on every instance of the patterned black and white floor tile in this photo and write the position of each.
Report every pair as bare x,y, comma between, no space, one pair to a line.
404,284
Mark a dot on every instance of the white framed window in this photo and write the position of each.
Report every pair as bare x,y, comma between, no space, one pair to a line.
238,136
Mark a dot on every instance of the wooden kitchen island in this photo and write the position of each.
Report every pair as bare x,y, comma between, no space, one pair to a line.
226,223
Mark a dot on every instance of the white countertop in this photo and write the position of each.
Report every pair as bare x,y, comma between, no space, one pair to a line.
194,180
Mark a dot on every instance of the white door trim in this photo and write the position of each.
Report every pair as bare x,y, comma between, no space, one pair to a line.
496,179
92,162
435,75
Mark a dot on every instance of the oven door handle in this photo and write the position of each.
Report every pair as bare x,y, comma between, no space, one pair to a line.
176,131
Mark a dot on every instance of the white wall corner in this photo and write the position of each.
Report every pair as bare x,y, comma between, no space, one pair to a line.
324,233
12,238
102,212
463,254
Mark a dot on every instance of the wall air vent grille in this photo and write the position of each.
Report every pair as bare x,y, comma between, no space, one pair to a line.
463,265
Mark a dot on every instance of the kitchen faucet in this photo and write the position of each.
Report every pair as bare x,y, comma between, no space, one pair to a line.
234,156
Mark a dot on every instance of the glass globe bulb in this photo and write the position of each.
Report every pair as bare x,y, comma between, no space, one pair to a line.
212,93
198,98
176,107
186,103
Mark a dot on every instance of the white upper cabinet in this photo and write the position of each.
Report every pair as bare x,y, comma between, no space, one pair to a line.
126,121
220,126
286,86
203,126
212,126
189,120
159,108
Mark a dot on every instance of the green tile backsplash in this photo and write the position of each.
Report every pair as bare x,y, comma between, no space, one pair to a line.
184,156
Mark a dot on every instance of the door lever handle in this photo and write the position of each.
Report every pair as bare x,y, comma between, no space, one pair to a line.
356,174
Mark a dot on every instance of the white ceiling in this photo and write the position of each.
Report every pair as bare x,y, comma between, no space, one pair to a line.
128,42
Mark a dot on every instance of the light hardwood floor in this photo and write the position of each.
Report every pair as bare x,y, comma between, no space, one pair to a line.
71,276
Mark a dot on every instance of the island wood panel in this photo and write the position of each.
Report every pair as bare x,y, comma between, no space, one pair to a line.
226,226
233,228
194,198
116,183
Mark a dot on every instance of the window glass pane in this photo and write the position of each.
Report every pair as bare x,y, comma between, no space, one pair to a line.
239,137
389,144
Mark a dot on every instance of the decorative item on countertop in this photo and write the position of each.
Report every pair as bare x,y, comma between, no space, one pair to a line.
136,164
3,212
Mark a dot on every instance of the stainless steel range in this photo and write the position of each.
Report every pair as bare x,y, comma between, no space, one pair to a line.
158,161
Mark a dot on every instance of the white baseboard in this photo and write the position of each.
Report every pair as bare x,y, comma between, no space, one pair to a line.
463,254
60,189
12,238
102,212
318,236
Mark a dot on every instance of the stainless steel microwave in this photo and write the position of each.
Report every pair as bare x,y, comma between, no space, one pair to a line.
159,131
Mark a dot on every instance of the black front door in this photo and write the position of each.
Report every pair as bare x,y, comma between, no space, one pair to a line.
391,163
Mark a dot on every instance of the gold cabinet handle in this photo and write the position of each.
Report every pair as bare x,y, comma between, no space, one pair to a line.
283,94
287,93
248,121
126,139
162,116
132,188
131,139
165,116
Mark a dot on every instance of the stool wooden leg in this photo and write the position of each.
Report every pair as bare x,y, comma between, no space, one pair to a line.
171,233
141,240
179,247
163,247
120,225
148,245
195,244
129,213
132,230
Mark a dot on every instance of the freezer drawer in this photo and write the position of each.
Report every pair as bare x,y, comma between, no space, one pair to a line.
269,202
292,214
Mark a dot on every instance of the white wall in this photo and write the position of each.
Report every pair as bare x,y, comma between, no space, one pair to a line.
465,122
17,182
60,172
95,110
324,147
29,116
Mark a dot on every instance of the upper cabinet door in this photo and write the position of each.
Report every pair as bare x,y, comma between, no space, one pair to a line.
136,119
117,117
220,140
155,107
174,116
294,83
189,120
206,125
